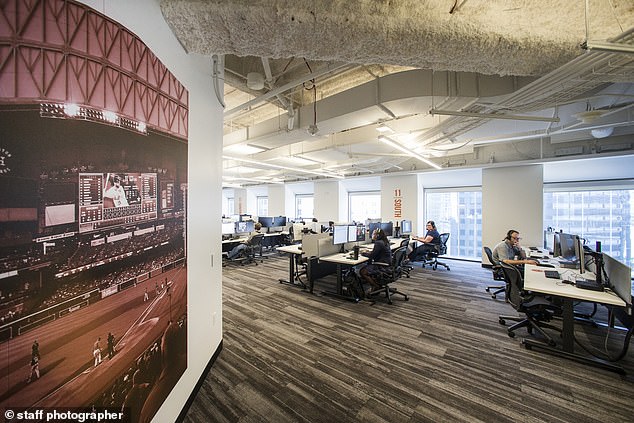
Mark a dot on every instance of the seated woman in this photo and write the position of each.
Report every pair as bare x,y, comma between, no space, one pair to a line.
381,253
238,249
429,243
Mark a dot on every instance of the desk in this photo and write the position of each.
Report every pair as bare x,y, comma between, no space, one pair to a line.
342,259
228,244
536,281
292,251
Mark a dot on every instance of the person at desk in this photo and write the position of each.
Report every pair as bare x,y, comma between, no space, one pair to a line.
237,250
509,250
429,243
380,253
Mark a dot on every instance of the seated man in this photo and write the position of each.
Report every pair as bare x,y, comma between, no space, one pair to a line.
429,243
238,249
382,253
509,250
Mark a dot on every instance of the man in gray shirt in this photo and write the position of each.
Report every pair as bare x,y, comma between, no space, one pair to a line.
509,250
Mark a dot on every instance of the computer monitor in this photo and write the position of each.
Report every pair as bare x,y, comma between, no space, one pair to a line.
567,244
352,233
266,222
372,226
340,234
244,227
388,228
406,227
229,228
579,254
279,221
556,245
618,277
360,233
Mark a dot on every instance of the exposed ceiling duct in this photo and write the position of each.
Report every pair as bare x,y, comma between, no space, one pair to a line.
330,72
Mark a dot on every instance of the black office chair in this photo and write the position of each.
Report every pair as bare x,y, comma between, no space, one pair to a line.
498,275
390,274
407,264
440,250
535,310
254,247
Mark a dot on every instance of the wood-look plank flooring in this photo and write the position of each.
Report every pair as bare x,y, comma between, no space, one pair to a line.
442,356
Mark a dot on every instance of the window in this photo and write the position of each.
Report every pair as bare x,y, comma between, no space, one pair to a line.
230,206
364,205
596,213
458,212
263,206
304,206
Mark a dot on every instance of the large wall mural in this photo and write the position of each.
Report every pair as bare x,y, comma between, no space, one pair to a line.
93,195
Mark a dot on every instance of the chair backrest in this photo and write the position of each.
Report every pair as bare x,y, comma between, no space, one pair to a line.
498,274
394,271
514,285
256,240
405,242
442,248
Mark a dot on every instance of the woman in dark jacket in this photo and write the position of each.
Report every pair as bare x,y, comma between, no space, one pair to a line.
381,253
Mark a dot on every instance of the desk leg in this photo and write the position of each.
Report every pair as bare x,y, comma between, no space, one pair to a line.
292,278
568,342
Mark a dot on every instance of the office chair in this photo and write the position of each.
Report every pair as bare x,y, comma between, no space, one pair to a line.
441,250
535,310
407,264
498,275
391,273
254,246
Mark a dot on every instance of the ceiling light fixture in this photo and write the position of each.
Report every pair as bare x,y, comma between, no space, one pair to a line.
407,151
384,129
274,166
492,115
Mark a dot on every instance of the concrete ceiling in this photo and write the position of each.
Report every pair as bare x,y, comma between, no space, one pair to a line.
504,80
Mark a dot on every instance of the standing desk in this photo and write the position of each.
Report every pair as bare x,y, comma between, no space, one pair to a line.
293,277
341,260
536,281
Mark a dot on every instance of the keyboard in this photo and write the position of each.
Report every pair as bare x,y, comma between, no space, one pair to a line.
552,274
540,264
586,284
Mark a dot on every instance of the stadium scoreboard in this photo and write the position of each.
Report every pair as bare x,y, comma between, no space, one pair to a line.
113,199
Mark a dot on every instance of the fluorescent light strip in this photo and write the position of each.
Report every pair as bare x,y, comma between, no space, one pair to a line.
274,166
262,181
398,146
493,115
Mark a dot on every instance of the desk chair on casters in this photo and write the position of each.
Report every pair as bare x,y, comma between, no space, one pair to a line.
407,265
253,247
534,310
498,275
392,273
441,250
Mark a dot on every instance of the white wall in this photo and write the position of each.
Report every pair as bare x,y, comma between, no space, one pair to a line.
291,190
327,200
277,200
399,191
512,198
252,199
204,278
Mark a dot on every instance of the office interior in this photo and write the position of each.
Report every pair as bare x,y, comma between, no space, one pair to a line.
510,171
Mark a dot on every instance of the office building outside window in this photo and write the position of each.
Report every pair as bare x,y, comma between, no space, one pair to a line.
364,205
304,206
263,206
599,214
458,212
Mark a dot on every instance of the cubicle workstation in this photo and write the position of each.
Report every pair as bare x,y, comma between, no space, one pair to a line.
583,275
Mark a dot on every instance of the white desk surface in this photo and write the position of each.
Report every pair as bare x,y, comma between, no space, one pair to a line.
235,240
343,258
536,281
293,249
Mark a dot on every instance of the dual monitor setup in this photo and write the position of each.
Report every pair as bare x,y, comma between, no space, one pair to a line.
357,233
610,273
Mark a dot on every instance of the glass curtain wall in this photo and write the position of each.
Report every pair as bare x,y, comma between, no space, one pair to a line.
459,212
601,212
